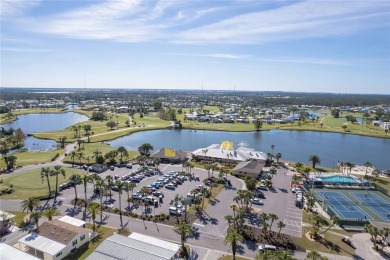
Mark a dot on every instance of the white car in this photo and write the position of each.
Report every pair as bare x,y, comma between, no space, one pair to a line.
174,211
257,201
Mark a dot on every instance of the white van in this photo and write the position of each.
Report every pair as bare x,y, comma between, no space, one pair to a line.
264,247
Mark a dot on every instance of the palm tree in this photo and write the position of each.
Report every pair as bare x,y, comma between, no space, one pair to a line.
73,155
122,152
120,186
96,155
272,148
278,156
100,184
76,179
373,231
109,180
62,141
335,220
80,155
313,255
45,173
229,219
57,171
30,204
280,226
233,237
183,229
50,213
367,164
264,218
84,178
94,209
35,216
314,159
272,217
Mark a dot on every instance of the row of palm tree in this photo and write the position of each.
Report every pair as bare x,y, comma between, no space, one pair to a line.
46,172
30,205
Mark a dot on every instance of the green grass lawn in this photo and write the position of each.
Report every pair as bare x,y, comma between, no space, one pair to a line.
88,150
29,158
29,183
84,251
19,216
331,243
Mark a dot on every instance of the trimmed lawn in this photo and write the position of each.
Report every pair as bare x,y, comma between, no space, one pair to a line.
331,243
29,183
29,158
19,216
84,251
88,150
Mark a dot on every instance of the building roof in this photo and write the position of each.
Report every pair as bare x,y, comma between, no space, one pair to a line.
59,231
41,243
8,252
169,153
251,166
72,221
5,215
229,150
155,241
121,247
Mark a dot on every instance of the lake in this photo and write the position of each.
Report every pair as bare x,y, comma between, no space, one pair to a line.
294,145
32,123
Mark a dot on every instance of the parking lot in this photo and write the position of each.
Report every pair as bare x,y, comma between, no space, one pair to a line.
281,201
163,205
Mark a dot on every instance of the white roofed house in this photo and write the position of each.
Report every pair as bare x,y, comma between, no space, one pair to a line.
229,152
54,240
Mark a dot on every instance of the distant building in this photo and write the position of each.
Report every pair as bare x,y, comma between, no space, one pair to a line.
55,240
229,152
251,168
169,155
135,246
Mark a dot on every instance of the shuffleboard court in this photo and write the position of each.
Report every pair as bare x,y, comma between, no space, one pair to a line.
374,203
343,206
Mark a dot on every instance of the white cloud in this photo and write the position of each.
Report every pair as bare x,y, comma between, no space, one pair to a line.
212,55
194,22
16,7
12,49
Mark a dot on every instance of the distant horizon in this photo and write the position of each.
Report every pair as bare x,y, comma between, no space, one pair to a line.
197,90
298,45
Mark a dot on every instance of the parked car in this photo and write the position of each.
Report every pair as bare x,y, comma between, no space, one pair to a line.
264,247
174,211
170,186
257,201
112,167
347,240
129,166
261,187
158,194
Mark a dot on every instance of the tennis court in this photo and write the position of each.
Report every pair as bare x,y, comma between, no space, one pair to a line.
344,207
375,203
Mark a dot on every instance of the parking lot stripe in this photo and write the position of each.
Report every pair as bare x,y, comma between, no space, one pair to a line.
291,212
298,231
293,217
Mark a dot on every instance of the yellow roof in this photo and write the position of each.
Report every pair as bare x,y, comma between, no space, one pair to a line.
227,145
168,152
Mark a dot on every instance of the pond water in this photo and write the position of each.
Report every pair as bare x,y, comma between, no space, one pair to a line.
294,145
33,123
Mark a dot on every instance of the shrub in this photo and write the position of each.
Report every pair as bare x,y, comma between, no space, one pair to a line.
21,224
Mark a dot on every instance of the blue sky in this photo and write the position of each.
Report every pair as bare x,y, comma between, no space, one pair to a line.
308,46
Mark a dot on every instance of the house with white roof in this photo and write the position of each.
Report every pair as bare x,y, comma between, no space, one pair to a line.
8,252
229,152
54,240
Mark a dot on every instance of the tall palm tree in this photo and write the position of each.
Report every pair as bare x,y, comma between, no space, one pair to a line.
96,155
183,229
229,219
73,155
314,159
80,155
57,171
120,186
122,152
127,189
334,220
76,179
94,209
100,184
50,213
45,173
109,180
232,238
35,216
272,217
272,148
280,226
367,164
30,204
373,231
278,156
84,178
264,218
